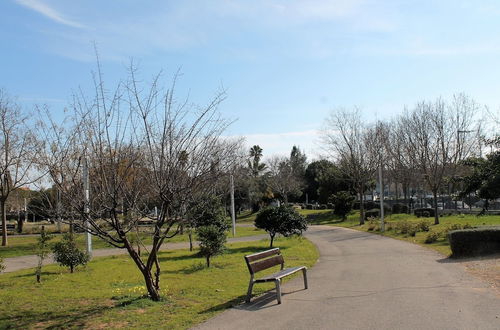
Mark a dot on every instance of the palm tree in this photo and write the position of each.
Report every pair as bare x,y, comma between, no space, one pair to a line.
254,163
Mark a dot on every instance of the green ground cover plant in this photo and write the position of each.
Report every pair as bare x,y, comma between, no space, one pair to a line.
402,226
21,245
91,298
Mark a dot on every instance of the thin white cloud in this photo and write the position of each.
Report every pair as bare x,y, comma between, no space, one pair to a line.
282,143
47,11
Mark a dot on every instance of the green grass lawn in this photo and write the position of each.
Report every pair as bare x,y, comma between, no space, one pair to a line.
20,245
246,217
326,217
109,292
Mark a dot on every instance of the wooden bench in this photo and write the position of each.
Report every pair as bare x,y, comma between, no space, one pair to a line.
267,259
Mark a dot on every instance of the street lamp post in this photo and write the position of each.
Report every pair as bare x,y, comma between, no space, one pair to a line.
233,215
86,194
382,226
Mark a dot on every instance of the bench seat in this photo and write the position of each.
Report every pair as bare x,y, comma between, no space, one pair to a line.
280,274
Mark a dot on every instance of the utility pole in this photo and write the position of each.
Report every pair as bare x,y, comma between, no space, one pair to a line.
86,194
382,226
58,210
233,215
25,210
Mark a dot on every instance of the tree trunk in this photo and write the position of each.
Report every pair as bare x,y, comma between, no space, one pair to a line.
405,196
208,261
361,207
4,222
71,269
190,235
20,225
436,214
157,273
272,239
152,290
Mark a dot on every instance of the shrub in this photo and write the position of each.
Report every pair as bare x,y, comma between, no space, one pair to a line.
208,211
422,226
330,206
42,252
212,240
309,206
282,220
322,207
371,224
455,226
67,254
412,231
343,202
467,226
2,266
373,213
431,237
404,227
477,241
424,212
399,208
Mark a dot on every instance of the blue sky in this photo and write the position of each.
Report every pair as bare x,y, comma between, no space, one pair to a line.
285,64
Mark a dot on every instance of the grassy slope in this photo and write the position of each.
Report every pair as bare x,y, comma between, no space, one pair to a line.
108,292
441,245
20,245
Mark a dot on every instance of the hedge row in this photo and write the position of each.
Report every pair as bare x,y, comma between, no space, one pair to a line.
476,241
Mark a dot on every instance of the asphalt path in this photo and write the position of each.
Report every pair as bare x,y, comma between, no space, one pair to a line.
366,281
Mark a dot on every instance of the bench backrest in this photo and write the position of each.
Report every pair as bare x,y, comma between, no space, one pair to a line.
264,260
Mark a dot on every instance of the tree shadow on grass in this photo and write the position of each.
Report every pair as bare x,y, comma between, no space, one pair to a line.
196,267
164,257
253,249
44,273
59,319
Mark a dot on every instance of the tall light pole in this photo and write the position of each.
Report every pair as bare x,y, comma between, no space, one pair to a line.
86,195
460,153
233,215
382,225
25,210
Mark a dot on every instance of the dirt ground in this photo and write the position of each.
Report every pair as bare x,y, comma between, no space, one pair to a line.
486,268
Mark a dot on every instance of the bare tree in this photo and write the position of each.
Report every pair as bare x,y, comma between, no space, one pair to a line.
398,161
433,141
18,150
144,149
350,142
283,179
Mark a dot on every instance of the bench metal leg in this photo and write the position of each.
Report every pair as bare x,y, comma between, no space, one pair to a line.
278,290
249,292
304,272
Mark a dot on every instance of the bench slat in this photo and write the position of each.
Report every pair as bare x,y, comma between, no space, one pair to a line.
262,255
280,274
267,263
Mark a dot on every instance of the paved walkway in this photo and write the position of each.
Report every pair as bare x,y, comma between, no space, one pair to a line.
18,263
366,281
